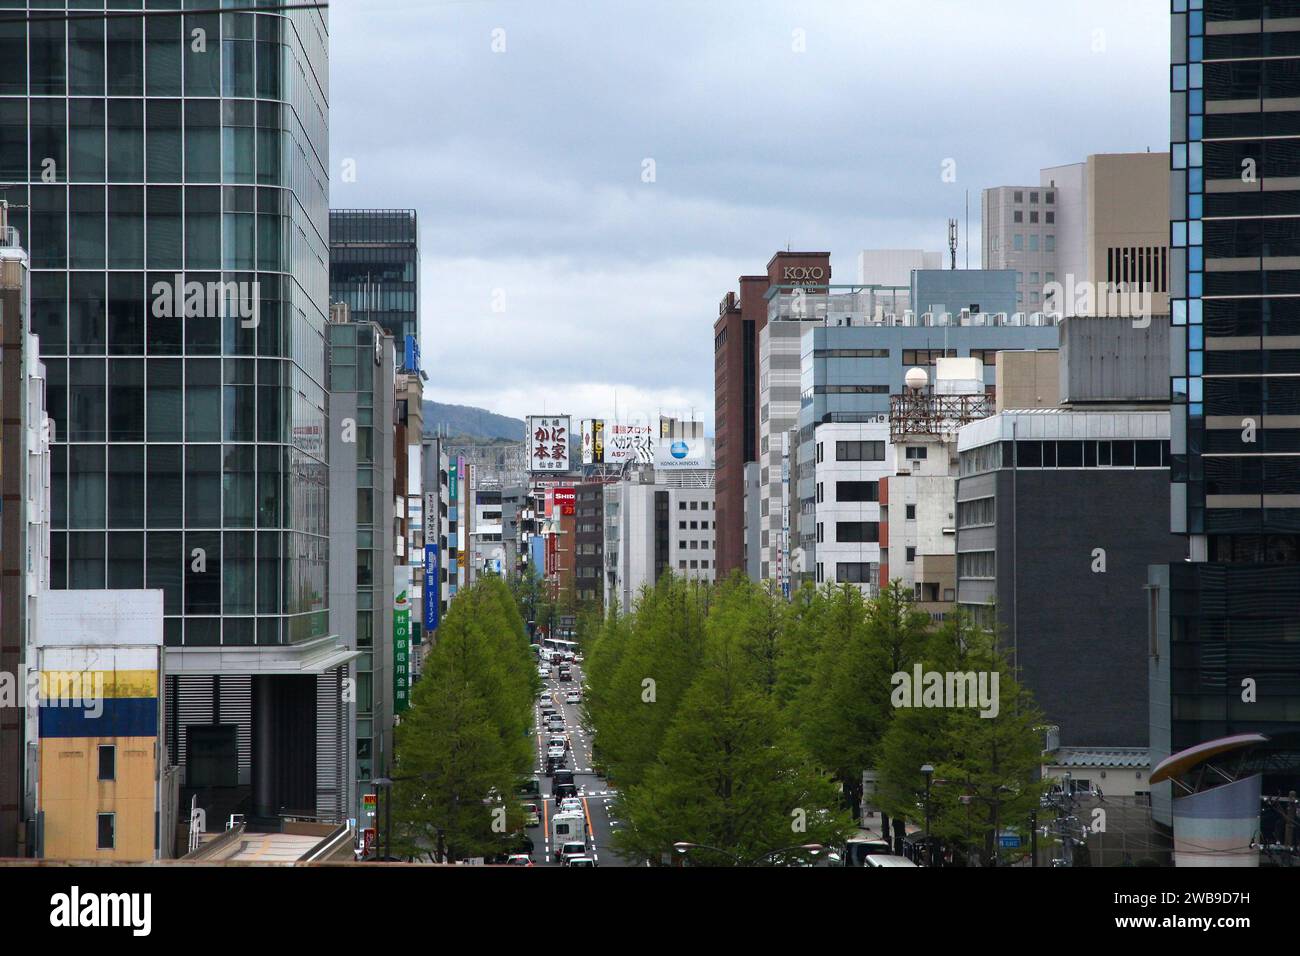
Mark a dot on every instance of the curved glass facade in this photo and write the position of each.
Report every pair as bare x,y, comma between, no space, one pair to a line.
174,171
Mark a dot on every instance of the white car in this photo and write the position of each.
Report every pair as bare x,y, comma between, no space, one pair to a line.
555,753
543,672
573,697
571,805
580,861
572,851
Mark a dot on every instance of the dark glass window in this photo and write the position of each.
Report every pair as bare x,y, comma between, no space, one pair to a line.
105,832
107,762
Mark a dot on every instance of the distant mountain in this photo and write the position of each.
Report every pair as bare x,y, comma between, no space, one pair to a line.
466,420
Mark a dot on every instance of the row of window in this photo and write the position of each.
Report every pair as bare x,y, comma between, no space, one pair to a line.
854,451
1067,453
853,532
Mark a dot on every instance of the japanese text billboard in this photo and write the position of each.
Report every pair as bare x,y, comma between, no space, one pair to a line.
548,439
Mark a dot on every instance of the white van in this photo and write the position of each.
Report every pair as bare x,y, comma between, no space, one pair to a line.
887,859
568,828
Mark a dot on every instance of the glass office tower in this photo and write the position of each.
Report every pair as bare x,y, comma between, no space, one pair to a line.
375,269
174,171
1229,618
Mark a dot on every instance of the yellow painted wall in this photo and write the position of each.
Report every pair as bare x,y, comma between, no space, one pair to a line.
72,795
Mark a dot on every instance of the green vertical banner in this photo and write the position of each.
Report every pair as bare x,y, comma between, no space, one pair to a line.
401,650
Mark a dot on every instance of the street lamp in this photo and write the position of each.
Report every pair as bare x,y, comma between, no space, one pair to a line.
929,837
810,848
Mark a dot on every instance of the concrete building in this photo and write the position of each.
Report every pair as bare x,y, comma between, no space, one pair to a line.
958,292
852,360
590,545
1059,511
654,524
105,787
849,462
918,509
741,318
894,267
1098,221
362,449
25,460
1027,379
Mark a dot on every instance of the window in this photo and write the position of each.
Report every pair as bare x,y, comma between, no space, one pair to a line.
854,491
853,573
857,532
1051,197
975,564
1017,216
926,356
1018,196
107,836
107,762
1051,217
1018,242
1049,243
911,513
911,555
1033,197
1033,216
972,514
1033,242
859,451
917,453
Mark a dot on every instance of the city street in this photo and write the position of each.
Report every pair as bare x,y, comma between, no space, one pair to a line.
595,794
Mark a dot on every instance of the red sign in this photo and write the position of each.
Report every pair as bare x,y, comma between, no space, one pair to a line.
567,499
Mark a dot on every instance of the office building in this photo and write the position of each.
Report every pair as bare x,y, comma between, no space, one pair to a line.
1228,615
178,239
852,359
362,455
375,269
741,317
1098,221
1059,510
590,545
656,524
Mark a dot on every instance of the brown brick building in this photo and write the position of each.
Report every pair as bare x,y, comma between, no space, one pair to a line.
735,388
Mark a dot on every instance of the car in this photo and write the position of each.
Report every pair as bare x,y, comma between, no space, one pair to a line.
548,711
519,859
532,815
543,672
531,787
564,790
880,860
555,724
564,675
580,861
571,804
555,753
573,697
571,851
558,740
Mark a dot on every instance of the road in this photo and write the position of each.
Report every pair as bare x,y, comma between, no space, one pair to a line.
594,792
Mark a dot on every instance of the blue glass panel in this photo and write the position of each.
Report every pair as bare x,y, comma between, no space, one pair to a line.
1196,258
1196,154
1178,155
1194,311
1178,311
1195,363
1195,206
1195,181
1196,337
1178,80
1195,286
1196,102
1195,232
1196,127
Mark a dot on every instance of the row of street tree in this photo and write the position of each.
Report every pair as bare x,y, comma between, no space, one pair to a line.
732,719
465,743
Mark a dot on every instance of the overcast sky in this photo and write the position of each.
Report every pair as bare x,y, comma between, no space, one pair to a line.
554,274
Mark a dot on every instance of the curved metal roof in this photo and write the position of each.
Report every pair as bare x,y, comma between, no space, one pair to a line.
1177,764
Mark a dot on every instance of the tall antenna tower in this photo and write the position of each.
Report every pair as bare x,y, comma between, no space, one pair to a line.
952,241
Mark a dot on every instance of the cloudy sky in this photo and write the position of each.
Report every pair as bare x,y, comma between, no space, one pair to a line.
524,133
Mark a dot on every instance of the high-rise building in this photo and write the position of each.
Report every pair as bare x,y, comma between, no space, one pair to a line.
1098,221
852,358
736,388
375,269
175,200
361,521
1226,621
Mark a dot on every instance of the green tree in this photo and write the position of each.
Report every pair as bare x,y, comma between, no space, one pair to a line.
465,742
729,774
